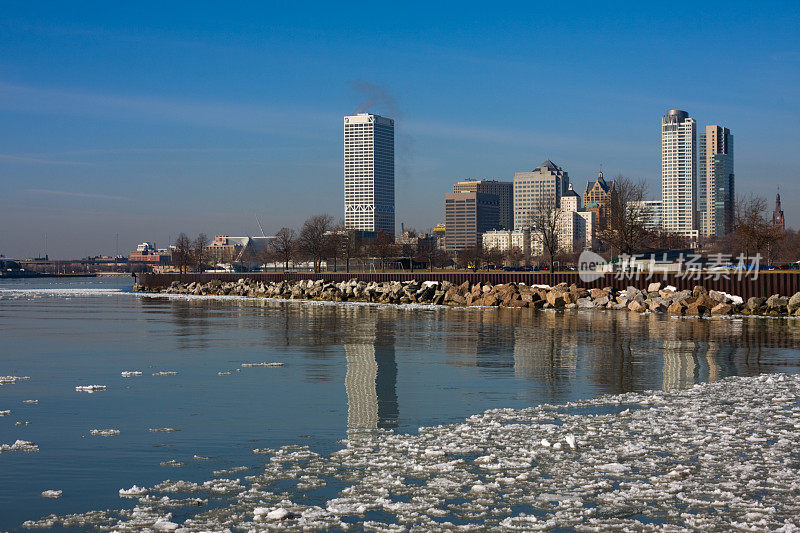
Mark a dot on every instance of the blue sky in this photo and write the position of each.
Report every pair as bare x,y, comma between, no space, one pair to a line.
148,119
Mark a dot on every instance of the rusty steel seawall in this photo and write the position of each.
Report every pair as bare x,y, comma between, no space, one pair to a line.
765,285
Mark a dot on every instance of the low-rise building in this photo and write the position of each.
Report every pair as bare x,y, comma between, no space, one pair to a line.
149,254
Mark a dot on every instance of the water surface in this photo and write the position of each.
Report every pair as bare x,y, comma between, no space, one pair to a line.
345,366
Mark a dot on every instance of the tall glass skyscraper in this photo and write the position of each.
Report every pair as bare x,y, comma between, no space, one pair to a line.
369,173
716,193
679,173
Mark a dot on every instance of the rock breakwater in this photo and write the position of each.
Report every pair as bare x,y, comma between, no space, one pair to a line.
657,298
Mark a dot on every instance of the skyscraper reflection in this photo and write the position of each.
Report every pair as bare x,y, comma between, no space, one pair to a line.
371,378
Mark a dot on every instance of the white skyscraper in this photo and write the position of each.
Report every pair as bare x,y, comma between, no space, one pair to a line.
369,173
679,173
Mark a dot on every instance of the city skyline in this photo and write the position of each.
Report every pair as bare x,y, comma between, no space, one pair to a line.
119,123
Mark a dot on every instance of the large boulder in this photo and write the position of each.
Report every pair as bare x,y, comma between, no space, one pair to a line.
754,303
556,298
654,287
794,302
676,308
722,309
598,293
718,296
637,306
778,303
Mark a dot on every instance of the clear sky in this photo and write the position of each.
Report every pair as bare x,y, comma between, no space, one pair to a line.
147,119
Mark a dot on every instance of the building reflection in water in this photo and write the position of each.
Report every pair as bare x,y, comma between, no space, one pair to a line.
371,378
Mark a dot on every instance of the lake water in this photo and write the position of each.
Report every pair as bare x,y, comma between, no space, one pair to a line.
344,366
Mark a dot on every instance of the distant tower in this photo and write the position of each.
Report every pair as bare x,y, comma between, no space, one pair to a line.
777,215
679,173
716,192
369,173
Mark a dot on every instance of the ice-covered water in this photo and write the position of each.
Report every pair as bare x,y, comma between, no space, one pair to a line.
228,433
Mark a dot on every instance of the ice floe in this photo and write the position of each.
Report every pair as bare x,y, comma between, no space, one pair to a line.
165,373
163,430
715,457
5,413
173,463
130,373
52,493
250,365
19,446
133,492
5,380
22,423
30,401
104,432
90,388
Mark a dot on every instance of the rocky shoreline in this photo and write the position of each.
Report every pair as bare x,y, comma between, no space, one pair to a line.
658,298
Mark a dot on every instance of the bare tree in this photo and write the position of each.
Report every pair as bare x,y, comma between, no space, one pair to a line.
543,220
494,256
182,252
514,256
314,238
627,218
199,247
383,248
471,257
754,231
334,242
350,245
284,246
428,252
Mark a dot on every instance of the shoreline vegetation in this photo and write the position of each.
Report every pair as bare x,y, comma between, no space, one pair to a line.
657,298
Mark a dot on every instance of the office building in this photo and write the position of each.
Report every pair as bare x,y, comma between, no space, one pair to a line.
542,187
369,173
504,191
679,173
467,216
652,212
597,199
575,228
715,185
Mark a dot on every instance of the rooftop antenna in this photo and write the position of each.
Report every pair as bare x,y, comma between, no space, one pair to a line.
260,226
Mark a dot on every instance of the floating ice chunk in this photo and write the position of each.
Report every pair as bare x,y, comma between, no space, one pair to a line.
626,412
90,388
172,462
30,401
165,525
250,365
163,430
19,446
478,489
614,468
570,439
52,493
22,423
133,492
226,373
104,432
130,373
278,514
5,380
557,446
545,443
165,373
201,458
5,413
